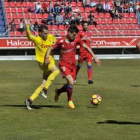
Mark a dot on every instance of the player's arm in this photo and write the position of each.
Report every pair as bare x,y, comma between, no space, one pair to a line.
96,60
138,45
28,32
47,60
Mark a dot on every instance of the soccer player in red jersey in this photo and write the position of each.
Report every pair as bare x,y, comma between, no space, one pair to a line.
67,63
84,55
138,46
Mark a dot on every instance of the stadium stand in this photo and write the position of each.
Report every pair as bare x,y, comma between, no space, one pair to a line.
128,25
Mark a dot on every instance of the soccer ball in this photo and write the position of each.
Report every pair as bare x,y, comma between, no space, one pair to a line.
96,99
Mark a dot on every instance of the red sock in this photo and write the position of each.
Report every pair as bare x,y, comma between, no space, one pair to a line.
69,92
89,72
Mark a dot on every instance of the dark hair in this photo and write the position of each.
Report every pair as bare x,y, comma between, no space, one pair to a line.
42,27
73,28
84,22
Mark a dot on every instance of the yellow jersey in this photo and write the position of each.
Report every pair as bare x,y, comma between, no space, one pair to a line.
41,46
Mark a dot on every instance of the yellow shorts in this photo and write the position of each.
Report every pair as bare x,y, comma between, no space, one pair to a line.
47,68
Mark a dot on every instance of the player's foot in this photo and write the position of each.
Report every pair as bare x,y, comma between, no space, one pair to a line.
71,104
43,94
56,97
28,104
90,82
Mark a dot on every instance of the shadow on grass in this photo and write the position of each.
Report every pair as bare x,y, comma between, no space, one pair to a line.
119,122
33,106
135,85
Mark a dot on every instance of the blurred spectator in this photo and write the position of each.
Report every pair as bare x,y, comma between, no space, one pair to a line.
91,19
106,7
115,14
57,7
78,19
45,8
63,6
93,3
66,19
59,19
131,8
36,26
21,26
99,7
72,19
38,8
51,7
68,7
86,3
50,20
13,25
126,8
31,9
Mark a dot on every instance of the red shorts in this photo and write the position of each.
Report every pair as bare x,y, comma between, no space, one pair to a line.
84,57
68,69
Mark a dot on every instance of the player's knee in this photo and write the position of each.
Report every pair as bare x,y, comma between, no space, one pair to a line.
89,66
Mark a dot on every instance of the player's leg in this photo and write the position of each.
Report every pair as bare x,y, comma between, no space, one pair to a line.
49,76
50,73
79,65
69,89
36,93
89,69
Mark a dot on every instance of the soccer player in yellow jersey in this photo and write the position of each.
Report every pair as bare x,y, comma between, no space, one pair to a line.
42,42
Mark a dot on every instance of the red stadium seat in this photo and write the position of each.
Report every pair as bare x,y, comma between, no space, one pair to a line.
130,27
18,4
126,15
6,4
105,27
103,21
135,26
45,15
126,32
12,34
111,27
14,15
101,15
19,10
39,16
122,21
91,27
7,10
73,4
8,15
132,32
134,21
115,21
107,15
113,33
12,4
61,27
79,4
24,4
109,21
13,10
128,21
124,27
132,15
20,16
107,33
55,27
138,32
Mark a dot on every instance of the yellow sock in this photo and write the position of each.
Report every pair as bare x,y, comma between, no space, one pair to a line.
36,93
51,78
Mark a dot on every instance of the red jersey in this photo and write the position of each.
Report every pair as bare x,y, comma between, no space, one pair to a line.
86,37
68,49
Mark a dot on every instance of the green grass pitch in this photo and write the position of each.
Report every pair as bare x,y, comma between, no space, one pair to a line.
117,118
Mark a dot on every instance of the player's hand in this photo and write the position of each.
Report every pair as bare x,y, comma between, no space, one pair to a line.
97,61
27,22
47,60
